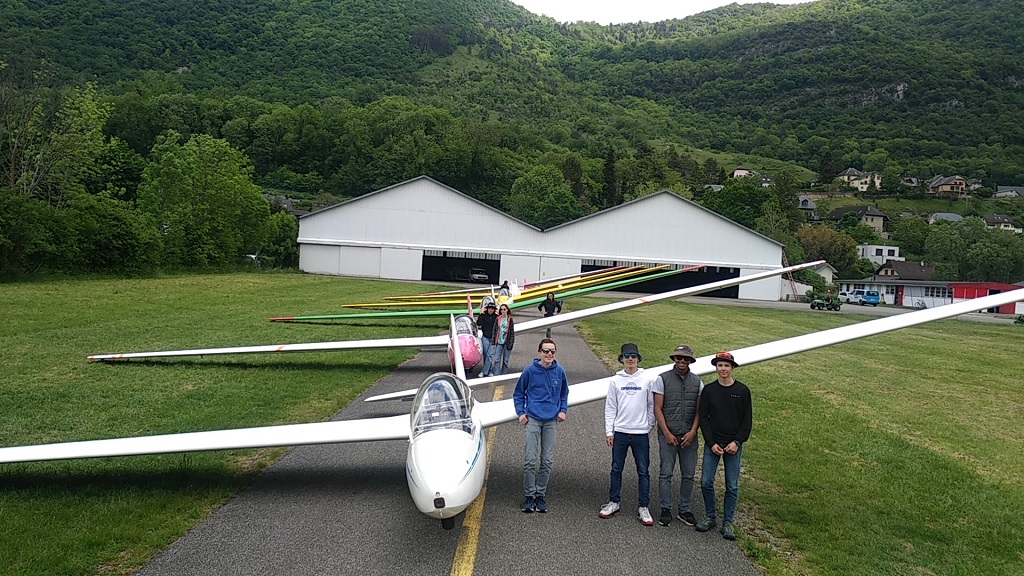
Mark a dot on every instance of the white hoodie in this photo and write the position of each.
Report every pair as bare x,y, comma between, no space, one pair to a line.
629,406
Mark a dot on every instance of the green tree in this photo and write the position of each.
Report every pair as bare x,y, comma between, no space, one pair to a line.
910,235
836,248
945,250
110,235
611,195
49,149
851,224
203,201
543,198
281,249
740,200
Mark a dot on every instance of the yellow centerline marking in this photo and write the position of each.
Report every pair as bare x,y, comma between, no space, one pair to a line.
465,554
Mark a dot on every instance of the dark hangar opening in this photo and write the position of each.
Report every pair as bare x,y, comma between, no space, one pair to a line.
457,266
705,275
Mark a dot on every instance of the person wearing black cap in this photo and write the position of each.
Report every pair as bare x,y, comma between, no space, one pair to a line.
486,324
628,419
726,418
676,392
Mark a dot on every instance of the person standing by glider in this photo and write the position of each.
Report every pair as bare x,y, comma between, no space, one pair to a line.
549,306
726,419
628,419
541,400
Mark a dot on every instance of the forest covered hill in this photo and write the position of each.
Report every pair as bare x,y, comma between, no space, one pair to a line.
925,86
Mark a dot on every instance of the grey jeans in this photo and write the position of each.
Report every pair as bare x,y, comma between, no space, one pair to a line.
687,464
541,438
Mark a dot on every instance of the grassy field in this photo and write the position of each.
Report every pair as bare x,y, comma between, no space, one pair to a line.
109,516
898,454
901,454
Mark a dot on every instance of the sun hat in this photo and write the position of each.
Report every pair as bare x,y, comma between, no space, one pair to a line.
630,348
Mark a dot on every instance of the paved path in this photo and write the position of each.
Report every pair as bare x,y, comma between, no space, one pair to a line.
346,509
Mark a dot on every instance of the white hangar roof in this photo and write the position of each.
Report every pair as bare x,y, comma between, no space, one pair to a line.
417,213
664,227
424,214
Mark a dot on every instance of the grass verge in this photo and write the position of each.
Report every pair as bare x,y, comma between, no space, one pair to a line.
897,454
111,515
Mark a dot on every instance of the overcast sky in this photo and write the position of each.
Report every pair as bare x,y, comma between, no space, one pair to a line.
619,11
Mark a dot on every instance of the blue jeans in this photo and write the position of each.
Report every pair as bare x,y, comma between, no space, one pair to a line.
499,360
687,465
641,446
732,482
485,357
541,439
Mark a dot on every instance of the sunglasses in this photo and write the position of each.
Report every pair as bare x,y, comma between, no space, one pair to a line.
682,359
548,350
630,355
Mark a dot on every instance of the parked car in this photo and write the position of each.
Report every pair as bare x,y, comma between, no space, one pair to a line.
479,275
844,297
862,297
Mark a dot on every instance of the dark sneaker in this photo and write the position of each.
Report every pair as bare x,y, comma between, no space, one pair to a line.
706,524
529,504
727,531
540,505
687,518
665,518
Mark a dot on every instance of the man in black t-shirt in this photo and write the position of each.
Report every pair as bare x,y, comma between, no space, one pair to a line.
726,418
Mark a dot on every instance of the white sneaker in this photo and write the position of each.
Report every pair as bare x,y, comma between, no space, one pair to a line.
608,510
645,516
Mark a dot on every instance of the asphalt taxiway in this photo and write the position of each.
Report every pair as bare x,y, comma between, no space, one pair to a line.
345,509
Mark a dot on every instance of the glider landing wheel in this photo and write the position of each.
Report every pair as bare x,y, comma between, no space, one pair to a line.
448,523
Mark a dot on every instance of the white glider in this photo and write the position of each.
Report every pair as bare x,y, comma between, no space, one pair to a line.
443,340
444,428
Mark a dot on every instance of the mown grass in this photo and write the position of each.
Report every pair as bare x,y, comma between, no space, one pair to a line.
110,515
900,454
897,454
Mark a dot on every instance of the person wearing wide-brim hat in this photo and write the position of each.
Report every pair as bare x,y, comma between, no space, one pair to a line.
628,419
676,392
726,418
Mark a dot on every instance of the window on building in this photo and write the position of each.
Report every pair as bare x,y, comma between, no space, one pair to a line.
890,289
878,251
891,253
858,286
936,292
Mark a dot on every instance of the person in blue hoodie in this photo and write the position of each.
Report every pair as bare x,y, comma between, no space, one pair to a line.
541,400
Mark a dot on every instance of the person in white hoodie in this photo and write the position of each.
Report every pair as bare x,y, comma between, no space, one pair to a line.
628,419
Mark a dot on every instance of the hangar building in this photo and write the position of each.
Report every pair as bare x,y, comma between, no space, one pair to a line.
423,230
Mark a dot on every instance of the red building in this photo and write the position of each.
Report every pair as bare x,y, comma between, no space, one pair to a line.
971,290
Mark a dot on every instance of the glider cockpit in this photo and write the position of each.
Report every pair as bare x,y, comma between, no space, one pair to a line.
447,457
443,402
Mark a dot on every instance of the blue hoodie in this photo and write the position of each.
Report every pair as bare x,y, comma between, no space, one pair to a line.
541,393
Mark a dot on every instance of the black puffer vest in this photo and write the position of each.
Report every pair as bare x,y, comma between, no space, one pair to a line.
680,401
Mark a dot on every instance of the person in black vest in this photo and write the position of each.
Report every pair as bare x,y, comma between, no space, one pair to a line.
676,393
726,418
486,324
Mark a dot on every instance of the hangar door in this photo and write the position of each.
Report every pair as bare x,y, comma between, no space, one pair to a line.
676,282
455,266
